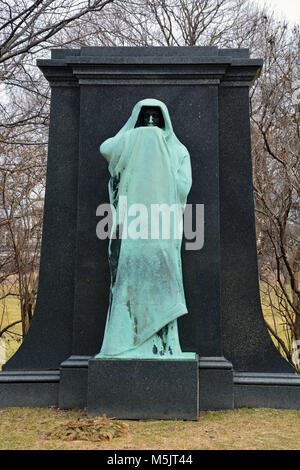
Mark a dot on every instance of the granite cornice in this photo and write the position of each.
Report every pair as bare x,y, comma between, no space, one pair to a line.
105,69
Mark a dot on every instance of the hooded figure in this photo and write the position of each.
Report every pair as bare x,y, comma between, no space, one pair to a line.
150,174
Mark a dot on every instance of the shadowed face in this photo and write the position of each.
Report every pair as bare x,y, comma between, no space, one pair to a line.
150,116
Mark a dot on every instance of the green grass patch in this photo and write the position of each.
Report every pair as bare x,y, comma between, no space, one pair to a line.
9,313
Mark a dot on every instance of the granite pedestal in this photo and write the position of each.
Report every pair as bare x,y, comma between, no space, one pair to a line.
144,389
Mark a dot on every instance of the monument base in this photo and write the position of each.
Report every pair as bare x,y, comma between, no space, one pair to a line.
144,388
73,382
267,390
33,388
216,383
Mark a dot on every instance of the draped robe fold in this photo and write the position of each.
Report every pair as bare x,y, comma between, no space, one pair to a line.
148,166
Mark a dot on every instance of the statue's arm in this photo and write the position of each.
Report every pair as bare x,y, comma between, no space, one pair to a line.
184,178
107,148
111,149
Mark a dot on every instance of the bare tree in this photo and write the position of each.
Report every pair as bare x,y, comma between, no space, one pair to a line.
26,28
222,23
22,164
277,187
157,23
27,24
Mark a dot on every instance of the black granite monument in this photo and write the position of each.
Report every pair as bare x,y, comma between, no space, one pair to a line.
206,91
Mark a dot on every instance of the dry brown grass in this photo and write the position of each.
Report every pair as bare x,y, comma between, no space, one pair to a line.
28,428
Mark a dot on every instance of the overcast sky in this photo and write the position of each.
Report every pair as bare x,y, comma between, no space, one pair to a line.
288,8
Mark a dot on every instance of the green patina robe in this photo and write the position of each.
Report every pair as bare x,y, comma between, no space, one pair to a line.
148,165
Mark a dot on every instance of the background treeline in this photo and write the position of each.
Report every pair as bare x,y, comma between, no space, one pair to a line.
29,29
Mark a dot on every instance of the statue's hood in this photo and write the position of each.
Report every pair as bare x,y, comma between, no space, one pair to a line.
112,148
130,124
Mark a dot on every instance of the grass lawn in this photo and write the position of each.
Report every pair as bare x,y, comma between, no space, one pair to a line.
9,313
261,429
